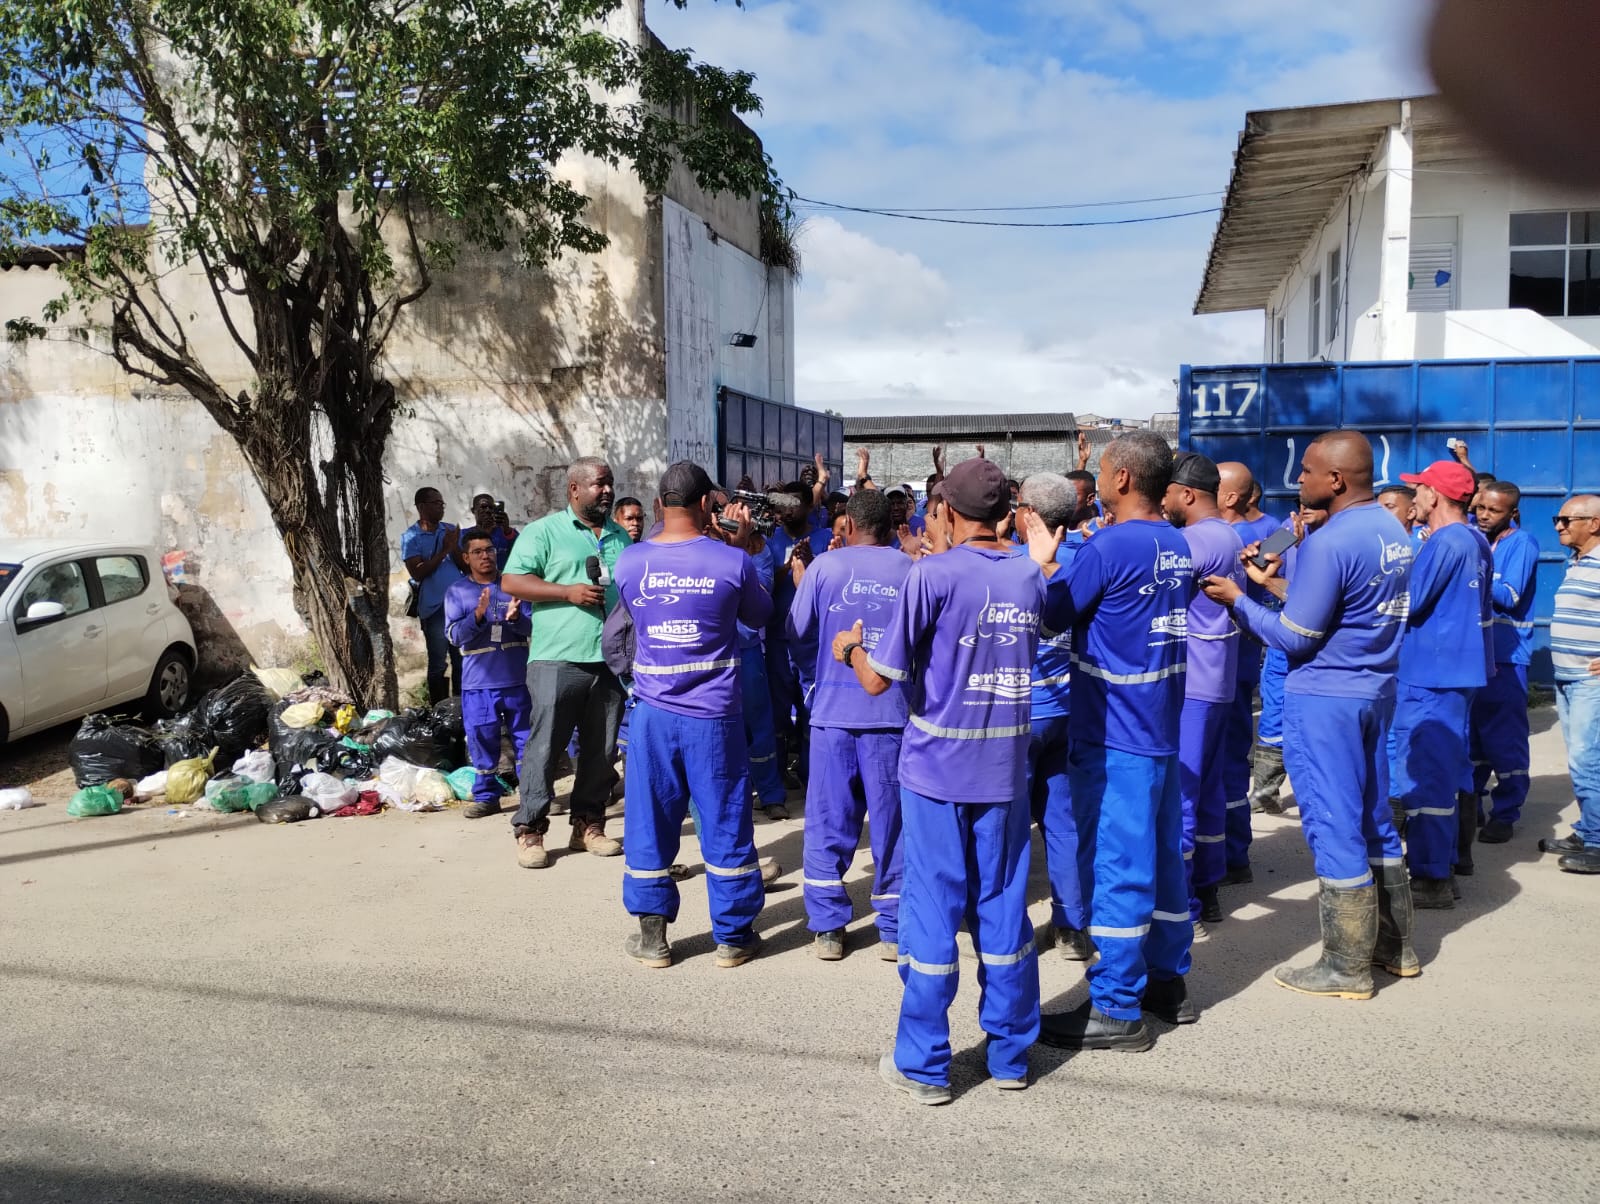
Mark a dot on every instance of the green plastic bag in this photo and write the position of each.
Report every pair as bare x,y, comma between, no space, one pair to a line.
462,781
244,798
95,800
375,716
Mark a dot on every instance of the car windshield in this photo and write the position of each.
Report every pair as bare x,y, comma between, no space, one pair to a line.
8,574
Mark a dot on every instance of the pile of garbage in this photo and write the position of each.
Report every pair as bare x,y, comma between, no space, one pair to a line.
279,746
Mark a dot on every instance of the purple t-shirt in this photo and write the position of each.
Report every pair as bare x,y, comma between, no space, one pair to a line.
1126,597
962,638
687,600
1212,675
850,583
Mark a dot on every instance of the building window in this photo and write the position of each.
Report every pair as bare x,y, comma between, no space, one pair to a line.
1279,354
1335,290
1555,263
1315,325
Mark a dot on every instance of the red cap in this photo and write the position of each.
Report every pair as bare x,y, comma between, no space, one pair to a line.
1451,478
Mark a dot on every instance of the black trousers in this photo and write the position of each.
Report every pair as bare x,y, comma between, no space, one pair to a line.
587,697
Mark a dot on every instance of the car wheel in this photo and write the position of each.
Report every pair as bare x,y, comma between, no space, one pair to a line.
169,686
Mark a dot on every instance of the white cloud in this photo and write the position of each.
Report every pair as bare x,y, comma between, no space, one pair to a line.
906,102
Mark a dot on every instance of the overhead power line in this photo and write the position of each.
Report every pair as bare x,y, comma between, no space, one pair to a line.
929,215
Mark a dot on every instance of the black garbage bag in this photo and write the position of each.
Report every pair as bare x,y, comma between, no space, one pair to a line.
106,748
286,810
345,762
237,715
294,746
289,780
417,736
448,713
183,739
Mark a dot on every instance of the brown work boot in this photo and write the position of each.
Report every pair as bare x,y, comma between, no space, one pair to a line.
530,851
592,838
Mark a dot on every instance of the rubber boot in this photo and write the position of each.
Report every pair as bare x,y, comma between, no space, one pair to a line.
1397,808
1433,894
1349,935
438,689
1393,952
1466,831
1267,780
649,945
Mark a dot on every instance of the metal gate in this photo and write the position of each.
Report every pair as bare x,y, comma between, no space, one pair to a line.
1532,421
770,442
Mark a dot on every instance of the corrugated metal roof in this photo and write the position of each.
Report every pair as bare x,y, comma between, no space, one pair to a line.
914,426
1293,166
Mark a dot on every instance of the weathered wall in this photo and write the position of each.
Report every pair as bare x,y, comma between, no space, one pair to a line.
912,460
713,291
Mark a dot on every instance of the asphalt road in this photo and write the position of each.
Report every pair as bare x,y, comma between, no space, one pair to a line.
387,1008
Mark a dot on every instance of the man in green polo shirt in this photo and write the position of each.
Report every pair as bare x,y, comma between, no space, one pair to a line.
567,677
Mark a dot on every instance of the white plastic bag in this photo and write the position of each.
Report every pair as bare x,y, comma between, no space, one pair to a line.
16,799
410,787
327,791
257,766
147,788
278,681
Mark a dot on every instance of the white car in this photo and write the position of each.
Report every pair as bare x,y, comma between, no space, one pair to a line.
87,627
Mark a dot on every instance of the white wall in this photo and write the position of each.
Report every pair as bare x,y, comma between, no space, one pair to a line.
1481,196
713,291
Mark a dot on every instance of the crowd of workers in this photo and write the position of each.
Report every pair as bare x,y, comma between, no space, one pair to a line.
1082,652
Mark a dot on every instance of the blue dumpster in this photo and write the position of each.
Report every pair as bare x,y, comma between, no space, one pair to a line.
1532,421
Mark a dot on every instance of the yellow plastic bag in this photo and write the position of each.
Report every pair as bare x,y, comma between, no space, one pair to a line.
186,781
301,714
279,682
345,719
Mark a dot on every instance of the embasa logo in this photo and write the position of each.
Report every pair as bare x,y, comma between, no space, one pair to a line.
674,631
1014,685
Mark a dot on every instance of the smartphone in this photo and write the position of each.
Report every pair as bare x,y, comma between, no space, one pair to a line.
1452,443
1279,542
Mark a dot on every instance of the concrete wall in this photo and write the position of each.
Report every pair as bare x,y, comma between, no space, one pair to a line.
912,460
1481,196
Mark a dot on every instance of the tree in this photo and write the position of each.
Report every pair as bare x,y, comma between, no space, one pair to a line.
319,161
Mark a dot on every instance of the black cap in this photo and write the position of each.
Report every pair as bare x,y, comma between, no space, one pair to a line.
977,489
1196,472
684,484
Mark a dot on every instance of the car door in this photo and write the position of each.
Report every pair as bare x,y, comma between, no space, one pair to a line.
135,622
63,660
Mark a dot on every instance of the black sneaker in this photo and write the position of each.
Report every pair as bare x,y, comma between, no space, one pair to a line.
1239,875
1087,1027
1075,944
1210,908
1168,1000
1570,843
1496,831
1584,861
829,946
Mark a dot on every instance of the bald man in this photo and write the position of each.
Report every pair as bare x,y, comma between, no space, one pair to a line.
1236,498
1341,627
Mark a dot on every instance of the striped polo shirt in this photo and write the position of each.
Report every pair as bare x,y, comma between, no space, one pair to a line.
1575,625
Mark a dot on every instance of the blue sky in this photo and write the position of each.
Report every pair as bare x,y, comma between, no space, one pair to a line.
1017,102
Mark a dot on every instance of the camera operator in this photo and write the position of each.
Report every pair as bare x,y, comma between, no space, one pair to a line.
489,513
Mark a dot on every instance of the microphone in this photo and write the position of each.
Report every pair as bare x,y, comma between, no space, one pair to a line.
592,567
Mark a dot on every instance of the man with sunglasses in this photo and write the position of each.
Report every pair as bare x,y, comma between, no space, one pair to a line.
1574,648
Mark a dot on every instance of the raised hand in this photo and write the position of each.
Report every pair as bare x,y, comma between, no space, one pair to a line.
844,639
1043,543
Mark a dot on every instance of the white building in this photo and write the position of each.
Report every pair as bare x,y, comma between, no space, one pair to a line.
1379,231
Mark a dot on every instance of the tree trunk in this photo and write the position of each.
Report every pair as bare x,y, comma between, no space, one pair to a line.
335,532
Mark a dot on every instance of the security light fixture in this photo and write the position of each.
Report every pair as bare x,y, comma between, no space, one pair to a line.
741,339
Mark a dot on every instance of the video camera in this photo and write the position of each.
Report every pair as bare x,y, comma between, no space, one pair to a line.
766,510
